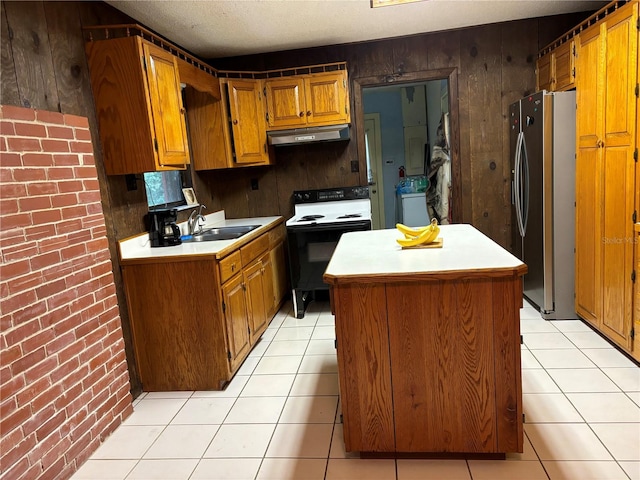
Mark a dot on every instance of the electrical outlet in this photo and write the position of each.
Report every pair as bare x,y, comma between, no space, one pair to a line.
131,182
354,166
254,184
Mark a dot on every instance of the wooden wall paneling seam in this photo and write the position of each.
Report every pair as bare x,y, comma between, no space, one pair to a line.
9,82
485,94
404,58
69,60
32,55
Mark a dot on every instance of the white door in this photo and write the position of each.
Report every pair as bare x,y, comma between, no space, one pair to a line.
373,143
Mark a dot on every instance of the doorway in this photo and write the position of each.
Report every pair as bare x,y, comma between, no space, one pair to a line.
397,125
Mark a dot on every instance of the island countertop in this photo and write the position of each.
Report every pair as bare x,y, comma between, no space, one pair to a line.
375,256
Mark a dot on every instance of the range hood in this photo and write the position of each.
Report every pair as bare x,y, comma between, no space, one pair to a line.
298,136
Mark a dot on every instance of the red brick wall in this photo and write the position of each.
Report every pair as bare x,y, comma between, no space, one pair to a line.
64,384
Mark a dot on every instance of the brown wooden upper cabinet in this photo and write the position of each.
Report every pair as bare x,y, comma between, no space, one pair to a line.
141,118
307,100
555,70
246,109
232,132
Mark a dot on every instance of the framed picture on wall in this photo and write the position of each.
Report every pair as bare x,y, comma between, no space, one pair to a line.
190,196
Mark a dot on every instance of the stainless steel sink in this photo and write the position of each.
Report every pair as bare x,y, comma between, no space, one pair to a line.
221,233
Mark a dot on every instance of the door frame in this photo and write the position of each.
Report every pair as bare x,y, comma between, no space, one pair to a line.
377,164
449,74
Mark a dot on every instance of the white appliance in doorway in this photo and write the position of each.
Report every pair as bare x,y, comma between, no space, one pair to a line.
412,209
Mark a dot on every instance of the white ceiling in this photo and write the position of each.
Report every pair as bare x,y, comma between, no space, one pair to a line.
222,28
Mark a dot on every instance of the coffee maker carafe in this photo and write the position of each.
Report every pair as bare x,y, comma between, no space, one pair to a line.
163,231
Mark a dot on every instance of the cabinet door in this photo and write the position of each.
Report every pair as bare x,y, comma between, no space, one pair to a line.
589,98
279,274
588,180
544,70
170,140
248,121
588,228
268,286
564,66
206,129
235,312
285,102
618,173
326,98
254,280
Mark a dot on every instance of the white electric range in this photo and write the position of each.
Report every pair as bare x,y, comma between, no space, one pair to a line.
320,218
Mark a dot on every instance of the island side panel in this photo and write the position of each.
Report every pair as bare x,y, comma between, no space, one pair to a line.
442,366
178,345
364,367
507,301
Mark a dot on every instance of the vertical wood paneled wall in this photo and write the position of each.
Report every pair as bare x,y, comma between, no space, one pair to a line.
43,66
496,66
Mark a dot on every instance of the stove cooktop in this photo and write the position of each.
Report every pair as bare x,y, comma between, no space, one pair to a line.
331,212
335,205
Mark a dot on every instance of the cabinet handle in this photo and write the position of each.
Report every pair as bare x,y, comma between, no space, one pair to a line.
235,122
301,114
182,111
308,113
233,267
600,143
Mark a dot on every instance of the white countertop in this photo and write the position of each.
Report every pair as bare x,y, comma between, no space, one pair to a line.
138,247
376,253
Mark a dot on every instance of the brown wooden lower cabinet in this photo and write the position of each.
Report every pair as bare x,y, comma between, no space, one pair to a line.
430,366
195,319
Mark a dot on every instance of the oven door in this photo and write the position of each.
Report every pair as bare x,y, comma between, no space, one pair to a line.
310,249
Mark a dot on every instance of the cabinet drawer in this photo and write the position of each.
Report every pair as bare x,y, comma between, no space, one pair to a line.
254,249
276,235
229,266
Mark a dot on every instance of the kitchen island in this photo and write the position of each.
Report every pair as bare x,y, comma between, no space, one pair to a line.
428,343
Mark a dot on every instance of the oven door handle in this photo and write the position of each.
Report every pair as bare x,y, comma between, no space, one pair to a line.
346,226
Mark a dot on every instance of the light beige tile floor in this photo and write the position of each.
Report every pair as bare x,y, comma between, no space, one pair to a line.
279,418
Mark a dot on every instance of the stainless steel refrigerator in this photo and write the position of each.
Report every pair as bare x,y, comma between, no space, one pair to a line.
543,139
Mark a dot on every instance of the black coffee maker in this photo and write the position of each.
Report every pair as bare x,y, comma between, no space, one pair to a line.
163,231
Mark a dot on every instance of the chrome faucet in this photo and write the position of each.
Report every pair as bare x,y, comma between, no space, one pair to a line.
193,223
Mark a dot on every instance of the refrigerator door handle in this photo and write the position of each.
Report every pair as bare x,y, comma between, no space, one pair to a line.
517,183
525,186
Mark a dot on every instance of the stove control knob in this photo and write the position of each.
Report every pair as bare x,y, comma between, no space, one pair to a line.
307,196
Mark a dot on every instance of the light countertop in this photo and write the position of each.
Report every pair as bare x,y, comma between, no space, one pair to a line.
375,254
138,248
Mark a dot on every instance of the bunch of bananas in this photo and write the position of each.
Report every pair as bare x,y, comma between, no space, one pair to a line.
418,236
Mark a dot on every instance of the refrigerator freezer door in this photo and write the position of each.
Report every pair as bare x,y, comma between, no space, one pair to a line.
514,138
535,143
